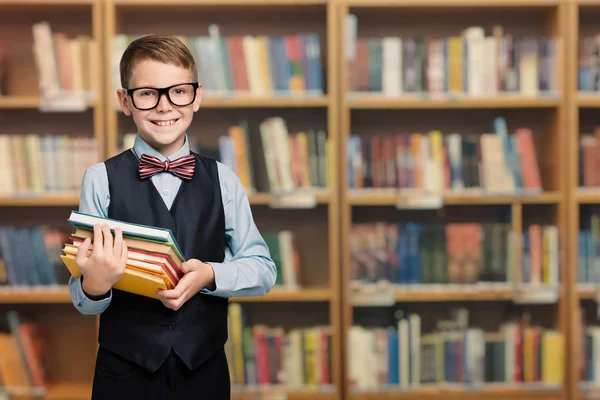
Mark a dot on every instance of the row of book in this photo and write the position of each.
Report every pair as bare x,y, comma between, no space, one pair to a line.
273,158
258,355
22,355
261,66
471,64
589,158
283,246
588,363
405,357
66,66
588,249
293,160
29,256
495,162
34,164
453,253
591,353
587,64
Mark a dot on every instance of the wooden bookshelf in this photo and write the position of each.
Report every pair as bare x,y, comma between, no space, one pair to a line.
367,114
69,366
324,228
316,227
582,107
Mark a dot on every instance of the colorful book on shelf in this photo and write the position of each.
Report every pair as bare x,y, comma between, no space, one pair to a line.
153,257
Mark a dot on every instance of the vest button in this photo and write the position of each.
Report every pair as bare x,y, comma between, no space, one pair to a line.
172,326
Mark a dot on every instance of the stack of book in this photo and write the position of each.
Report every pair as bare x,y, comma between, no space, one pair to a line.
153,256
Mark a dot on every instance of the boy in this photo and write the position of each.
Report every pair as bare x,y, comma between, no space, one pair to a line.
172,348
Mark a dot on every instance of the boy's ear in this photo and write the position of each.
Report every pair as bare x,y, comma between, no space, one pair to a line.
198,98
122,99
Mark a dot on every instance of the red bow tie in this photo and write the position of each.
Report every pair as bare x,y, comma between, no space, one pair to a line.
182,167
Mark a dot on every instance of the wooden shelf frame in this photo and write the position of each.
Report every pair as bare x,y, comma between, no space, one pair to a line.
556,197
339,203
578,197
328,102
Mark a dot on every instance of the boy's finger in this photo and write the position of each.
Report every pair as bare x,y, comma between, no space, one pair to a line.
108,239
118,243
171,293
81,256
124,255
98,248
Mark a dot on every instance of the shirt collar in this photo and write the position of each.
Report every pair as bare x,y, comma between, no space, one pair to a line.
141,147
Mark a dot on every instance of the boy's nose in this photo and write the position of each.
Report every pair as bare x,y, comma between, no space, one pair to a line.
163,103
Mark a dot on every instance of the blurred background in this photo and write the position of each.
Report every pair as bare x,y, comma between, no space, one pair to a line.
424,174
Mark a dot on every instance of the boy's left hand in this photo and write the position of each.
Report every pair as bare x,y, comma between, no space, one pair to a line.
196,275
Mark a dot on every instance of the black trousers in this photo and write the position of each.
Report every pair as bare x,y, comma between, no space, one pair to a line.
116,378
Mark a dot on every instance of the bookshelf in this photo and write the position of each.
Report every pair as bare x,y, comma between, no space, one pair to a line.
376,106
584,194
24,114
314,225
323,219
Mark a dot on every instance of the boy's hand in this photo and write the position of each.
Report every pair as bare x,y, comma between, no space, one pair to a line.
106,265
197,275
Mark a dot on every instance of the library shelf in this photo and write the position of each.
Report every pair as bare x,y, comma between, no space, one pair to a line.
452,3
358,102
268,394
284,295
264,102
584,196
240,3
42,200
58,391
60,295
588,100
384,197
27,102
586,292
69,391
72,200
268,198
47,2
460,394
462,293
35,295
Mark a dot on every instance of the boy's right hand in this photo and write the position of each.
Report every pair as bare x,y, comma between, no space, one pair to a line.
106,265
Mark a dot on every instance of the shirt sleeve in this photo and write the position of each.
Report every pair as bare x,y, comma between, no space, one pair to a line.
94,198
248,269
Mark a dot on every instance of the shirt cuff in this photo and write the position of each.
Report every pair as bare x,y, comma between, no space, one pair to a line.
85,304
223,282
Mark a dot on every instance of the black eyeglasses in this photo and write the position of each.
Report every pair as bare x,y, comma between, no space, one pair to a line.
145,98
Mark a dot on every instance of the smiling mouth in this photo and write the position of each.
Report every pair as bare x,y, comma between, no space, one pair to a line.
165,123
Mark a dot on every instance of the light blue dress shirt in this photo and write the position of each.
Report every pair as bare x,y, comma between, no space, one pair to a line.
247,269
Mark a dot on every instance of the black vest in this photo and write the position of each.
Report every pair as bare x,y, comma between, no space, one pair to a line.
142,329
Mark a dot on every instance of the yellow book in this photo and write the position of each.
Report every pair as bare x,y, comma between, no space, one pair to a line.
455,64
236,334
528,354
132,281
553,352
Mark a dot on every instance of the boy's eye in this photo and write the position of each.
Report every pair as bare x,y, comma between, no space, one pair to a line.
147,93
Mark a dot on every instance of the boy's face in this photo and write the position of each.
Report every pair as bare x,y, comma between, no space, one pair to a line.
164,126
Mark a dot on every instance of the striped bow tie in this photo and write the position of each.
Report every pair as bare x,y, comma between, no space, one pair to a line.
182,167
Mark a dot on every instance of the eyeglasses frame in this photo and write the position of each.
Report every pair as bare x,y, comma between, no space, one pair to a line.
162,91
